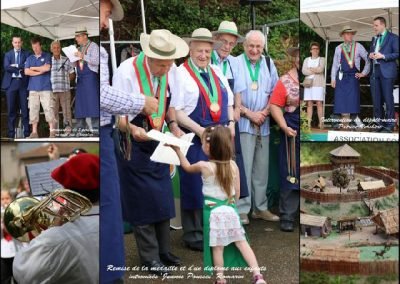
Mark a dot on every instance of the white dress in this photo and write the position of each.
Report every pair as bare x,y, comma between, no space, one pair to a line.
225,226
313,93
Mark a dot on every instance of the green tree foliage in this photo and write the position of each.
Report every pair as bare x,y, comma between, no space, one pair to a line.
340,178
182,17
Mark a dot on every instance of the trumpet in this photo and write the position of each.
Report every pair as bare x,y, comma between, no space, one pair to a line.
26,217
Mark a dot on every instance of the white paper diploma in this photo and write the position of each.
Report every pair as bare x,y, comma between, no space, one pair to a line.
69,51
165,154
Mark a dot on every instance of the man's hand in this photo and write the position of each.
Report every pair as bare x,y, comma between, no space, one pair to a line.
333,84
236,114
377,55
150,105
359,75
79,54
175,129
139,134
257,117
290,131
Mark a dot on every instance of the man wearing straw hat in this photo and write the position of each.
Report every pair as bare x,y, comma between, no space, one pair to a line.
228,35
205,99
345,76
113,101
259,80
146,186
87,87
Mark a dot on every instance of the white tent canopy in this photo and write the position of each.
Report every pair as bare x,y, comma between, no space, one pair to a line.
327,17
54,19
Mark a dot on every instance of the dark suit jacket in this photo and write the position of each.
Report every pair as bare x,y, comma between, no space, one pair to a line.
389,48
9,58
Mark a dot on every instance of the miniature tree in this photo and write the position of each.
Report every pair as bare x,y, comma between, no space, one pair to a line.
340,178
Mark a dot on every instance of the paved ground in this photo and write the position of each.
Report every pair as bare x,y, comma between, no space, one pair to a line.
277,251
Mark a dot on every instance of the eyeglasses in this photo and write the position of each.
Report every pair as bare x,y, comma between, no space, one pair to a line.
231,44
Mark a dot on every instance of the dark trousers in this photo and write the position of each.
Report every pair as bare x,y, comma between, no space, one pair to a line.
17,94
289,204
6,270
152,240
382,92
192,224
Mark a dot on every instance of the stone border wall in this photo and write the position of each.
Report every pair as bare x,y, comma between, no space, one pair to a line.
352,196
381,267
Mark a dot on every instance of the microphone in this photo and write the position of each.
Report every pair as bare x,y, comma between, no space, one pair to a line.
62,65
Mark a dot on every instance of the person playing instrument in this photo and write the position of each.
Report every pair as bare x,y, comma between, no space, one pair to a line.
67,253
286,112
345,76
221,188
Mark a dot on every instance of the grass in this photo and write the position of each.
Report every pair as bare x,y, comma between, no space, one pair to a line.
367,253
372,154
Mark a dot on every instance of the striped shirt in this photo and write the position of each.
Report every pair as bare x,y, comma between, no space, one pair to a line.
91,57
60,70
113,100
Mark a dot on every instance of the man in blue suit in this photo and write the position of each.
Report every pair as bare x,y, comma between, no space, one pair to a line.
15,84
383,53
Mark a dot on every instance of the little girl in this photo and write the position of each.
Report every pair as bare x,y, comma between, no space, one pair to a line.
223,231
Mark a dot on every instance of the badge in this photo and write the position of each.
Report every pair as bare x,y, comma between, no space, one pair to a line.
157,122
254,86
340,75
214,107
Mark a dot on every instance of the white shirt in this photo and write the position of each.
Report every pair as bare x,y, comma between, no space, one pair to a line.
64,254
125,79
189,91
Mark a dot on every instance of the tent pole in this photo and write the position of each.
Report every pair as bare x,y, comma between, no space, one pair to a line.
326,71
112,46
390,20
143,17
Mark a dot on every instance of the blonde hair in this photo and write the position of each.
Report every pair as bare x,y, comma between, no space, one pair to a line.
221,152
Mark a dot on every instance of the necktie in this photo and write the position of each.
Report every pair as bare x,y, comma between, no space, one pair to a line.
17,57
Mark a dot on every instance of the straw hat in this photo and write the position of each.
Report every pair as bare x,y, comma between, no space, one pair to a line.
203,35
162,44
81,30
292,51
226,27
117,13
347,29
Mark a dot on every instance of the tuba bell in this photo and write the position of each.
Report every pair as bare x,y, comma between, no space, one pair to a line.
26,217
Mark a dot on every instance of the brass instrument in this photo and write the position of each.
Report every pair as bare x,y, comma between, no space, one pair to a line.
26,217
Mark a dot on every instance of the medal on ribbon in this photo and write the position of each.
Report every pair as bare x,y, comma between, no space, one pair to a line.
146,88
212,97
349,53
253,75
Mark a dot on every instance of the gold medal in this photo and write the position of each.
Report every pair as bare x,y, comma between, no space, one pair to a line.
157,122
254,86
214,107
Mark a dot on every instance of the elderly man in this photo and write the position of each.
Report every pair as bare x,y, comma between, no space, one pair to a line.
204,99
38,66
113,101
384,52
345,76
87,87
62,72
259,80
227,33
146,187
15,83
